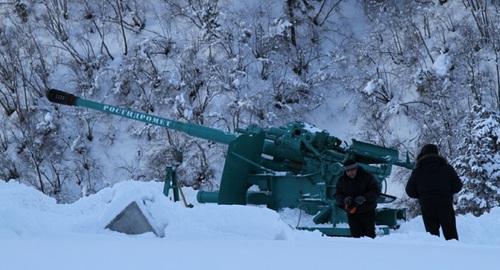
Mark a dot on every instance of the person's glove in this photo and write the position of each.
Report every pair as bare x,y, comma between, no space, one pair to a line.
348,200
360,200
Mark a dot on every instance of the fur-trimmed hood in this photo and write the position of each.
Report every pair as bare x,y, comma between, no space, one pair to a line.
431,162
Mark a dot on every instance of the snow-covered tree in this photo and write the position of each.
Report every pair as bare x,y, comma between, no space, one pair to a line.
479,165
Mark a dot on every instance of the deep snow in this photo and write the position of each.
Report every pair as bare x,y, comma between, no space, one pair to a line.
37,233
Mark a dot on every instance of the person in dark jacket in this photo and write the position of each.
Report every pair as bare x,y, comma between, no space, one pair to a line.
434,182
357,192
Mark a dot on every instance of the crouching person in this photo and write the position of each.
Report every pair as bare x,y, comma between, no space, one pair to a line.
357,192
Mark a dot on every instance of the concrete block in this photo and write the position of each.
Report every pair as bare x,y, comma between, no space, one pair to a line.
132,220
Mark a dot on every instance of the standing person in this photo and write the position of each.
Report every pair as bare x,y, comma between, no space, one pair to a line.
434,182
357,192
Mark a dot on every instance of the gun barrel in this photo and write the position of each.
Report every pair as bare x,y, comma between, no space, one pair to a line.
194,130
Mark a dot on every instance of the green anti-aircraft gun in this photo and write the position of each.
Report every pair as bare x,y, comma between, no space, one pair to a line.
296,166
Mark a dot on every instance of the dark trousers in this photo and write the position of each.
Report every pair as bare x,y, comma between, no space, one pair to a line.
439,214
362,224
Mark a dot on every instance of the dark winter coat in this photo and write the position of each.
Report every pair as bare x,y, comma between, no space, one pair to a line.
433,180
364,184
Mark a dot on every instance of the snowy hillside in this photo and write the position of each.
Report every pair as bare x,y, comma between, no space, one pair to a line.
37,233
358,69
398,74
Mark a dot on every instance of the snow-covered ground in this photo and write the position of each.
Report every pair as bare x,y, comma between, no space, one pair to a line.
37,233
